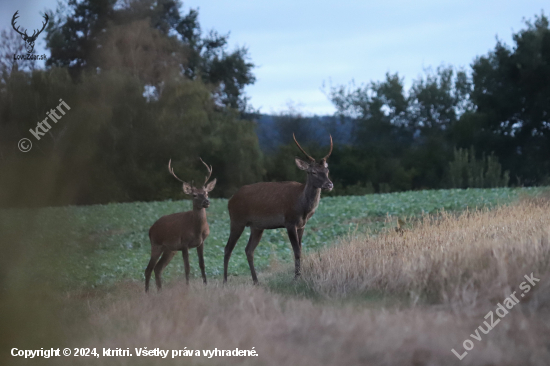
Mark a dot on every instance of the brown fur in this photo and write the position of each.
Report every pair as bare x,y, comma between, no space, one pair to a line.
272,205
180,232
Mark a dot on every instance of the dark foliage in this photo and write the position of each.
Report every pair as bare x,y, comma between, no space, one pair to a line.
146,84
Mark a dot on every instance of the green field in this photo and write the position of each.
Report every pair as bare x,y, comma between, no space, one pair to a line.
103,244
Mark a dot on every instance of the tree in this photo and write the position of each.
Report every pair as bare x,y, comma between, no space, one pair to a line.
382,135
437,101
122,70
380,109
92,35
512,95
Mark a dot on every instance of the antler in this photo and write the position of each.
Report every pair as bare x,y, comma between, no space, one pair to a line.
15,16
330,152
302,150
43,26
171,170
209,168
34,34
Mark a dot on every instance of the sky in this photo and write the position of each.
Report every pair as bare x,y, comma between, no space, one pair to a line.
301,48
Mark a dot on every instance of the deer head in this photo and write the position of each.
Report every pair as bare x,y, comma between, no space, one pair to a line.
200,195
317,171
29,40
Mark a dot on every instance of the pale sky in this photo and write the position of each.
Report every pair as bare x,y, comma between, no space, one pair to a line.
298,46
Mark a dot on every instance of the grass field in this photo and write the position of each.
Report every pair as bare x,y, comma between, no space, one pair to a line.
72,277
109,243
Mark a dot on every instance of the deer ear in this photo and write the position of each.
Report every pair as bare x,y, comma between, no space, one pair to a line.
302,165
210,186
187,188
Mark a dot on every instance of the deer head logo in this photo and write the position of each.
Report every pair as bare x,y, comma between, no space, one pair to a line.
29,40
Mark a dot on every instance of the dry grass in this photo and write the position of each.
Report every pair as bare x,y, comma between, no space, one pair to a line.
296,331
462,262
459,268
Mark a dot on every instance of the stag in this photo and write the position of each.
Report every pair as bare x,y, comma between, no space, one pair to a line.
29,40
180,231
273,205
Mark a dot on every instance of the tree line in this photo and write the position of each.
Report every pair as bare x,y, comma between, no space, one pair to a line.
488,126
145,83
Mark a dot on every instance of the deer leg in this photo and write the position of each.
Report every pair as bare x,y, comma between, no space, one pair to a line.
236,232
296,247
200,250
156,251
167,256
253,241
300,233
185,254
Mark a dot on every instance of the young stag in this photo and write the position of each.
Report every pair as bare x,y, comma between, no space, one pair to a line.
273,205
180,231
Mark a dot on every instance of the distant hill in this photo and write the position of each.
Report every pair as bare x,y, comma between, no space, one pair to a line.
275,130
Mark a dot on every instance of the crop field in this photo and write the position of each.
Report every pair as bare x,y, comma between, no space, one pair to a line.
109,243
368,295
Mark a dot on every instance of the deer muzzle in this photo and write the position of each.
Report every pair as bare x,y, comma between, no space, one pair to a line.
328,186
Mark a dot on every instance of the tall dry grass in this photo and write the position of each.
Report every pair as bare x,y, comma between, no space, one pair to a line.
296,331
462,262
